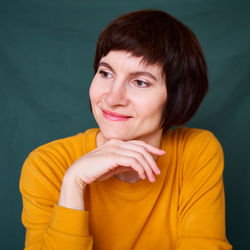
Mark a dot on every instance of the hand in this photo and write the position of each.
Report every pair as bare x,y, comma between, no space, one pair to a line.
112,158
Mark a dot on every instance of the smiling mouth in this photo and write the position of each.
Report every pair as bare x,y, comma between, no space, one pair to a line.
114,116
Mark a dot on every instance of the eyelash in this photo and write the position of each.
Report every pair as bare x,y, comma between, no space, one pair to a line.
105,74
142,82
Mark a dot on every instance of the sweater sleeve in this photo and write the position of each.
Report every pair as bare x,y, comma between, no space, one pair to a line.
201,214
48,225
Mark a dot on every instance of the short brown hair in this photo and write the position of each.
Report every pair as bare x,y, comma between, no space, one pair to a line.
161,39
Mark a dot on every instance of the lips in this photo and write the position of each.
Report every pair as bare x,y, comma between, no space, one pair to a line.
114,116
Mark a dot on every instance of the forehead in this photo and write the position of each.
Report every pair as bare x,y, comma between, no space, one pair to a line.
127,60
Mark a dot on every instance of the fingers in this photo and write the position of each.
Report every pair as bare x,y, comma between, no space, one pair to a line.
107,159
148,147
146,164
126,161
146,151
114,171
142,154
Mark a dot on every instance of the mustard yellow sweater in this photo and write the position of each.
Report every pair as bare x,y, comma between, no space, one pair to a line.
184,209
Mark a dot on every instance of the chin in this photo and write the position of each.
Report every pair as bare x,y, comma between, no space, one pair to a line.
112,133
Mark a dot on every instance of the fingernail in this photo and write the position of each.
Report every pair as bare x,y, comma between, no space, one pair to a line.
153,178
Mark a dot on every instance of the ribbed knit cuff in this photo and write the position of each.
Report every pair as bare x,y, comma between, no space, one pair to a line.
70,221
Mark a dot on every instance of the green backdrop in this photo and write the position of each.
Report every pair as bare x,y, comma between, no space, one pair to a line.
46,55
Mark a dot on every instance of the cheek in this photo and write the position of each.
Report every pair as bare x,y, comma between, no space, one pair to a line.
161,100
94,92
152,106
91,92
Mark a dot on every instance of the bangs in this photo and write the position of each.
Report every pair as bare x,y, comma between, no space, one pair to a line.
159,38
140,37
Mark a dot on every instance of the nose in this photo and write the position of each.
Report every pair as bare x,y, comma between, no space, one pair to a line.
117,94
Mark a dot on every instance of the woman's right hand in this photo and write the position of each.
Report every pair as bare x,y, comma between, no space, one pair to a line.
111,158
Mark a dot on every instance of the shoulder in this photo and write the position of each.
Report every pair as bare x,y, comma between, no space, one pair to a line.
188,138
185,132
49,162
69,144
70,147
197,150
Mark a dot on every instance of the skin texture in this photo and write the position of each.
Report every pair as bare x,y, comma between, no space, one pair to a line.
127,98
119,87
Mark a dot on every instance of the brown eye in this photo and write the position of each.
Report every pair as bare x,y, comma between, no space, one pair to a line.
141,84
105,74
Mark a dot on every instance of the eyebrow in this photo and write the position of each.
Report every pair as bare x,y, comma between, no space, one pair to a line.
135,73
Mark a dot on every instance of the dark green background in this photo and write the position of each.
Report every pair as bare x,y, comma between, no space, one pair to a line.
46,55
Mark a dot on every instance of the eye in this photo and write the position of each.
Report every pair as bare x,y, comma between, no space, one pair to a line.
141,84
105,74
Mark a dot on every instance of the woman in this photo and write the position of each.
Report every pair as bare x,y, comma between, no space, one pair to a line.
133,183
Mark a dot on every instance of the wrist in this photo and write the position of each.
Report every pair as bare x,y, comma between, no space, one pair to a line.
72,180
72,193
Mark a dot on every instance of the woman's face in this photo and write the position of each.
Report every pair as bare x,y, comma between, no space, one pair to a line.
127,97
